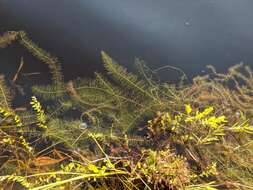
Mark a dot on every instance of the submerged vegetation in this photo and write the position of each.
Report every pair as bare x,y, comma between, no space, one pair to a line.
127,131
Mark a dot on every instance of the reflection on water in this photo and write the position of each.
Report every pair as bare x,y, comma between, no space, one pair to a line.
186,34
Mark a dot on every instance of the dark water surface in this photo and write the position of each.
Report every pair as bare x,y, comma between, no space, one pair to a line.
184,33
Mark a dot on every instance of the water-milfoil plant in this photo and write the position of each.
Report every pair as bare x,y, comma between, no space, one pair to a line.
128,131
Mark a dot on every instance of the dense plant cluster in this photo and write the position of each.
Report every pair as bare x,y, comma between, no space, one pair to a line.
129,131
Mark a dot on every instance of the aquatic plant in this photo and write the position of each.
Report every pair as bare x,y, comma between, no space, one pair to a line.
128,131
7,38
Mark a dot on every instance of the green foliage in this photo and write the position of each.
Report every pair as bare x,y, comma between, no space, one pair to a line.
11,119
205,128
103,102
17,179
125,131
45,57
47,92
124,79
119,103
52,62
5,95
7,38
163,169
40,114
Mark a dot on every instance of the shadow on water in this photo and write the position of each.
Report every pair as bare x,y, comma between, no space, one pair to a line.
185,34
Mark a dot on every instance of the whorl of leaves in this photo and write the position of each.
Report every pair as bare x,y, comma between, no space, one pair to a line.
52,62
7,38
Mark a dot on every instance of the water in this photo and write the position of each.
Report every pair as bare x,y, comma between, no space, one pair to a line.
186,34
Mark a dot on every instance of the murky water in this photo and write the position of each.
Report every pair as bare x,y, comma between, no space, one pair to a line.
188,33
